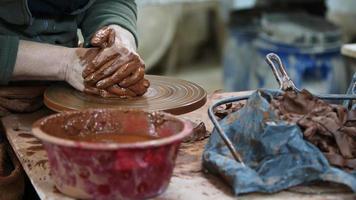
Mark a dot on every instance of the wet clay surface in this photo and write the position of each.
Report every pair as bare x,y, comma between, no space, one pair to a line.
106,127
332,128
109,137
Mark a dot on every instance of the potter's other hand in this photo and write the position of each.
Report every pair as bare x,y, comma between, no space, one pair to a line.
39,61
117,63
78,60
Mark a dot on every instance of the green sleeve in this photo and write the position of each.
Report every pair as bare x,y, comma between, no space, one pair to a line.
106,12
8,53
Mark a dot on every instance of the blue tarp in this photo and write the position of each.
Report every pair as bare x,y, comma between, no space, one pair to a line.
275,153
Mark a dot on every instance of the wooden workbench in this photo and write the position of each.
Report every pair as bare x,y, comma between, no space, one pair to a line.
189,180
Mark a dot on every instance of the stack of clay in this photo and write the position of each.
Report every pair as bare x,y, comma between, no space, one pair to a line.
113,70
331,128
20,99
224,110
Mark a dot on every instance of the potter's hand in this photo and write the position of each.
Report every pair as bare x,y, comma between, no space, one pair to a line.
78,60
39,61
117,64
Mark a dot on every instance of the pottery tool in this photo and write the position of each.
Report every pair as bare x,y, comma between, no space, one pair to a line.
168,94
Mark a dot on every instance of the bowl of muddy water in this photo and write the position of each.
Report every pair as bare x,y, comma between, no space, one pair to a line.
111,154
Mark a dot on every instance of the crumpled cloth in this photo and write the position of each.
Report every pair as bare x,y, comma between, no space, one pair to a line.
275,153
330,127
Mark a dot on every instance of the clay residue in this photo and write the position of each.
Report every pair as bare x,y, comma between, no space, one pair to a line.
332,128
35,148
30,153
199,133
41,163
224,110
55,190
34,142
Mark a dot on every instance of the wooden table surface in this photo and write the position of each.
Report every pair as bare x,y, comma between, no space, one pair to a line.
189,180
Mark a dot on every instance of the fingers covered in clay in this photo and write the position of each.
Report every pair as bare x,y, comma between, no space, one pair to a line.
108,53
122,92
115,70
101,73
140,87
86,60
103,38
123,72
98,92
133,78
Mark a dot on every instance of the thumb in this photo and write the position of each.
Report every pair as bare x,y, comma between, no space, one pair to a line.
103,38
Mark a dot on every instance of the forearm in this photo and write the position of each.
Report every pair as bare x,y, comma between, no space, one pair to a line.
38,61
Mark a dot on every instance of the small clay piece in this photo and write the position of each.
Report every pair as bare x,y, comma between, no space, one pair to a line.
329,127
223,110
113,71
199,133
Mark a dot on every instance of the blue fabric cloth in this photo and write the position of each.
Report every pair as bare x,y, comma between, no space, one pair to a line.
275,153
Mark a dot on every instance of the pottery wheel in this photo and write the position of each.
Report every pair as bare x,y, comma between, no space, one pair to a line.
165,94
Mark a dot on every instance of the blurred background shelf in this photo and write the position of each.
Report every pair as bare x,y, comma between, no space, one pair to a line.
200,41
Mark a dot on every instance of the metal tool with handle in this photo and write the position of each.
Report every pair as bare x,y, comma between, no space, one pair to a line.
286,84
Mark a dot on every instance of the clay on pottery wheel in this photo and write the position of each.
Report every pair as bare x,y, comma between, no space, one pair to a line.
167,94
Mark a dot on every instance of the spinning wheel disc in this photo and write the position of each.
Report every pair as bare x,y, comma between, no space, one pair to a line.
165,94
